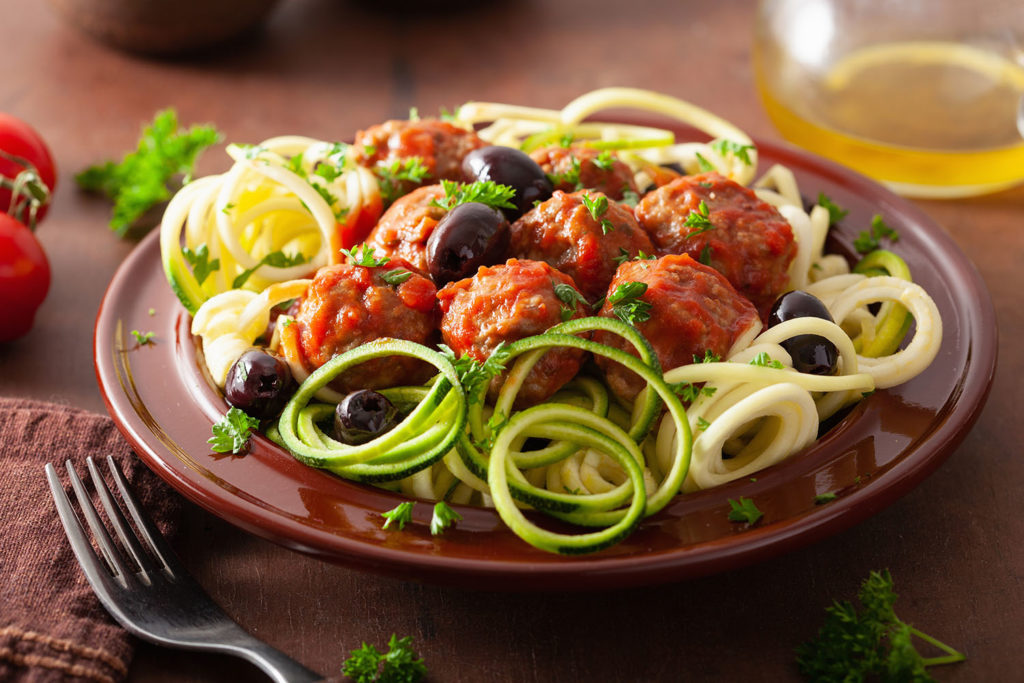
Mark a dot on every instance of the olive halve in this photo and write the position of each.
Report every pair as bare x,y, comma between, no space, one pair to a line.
512,167
259,383
363,416
811,353
469,236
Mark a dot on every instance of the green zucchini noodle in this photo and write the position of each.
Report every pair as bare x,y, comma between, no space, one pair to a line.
583,457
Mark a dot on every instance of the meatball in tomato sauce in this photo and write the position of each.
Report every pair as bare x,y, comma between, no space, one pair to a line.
737,234
508,302
692,310
580,167
406,226
348,305
584,234
439,145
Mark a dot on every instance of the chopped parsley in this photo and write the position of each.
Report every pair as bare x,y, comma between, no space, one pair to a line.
474,375
698,219
627,305
622,257
744,510
569,297
869,240
231,433
705,254
702,424
604,161
145,177
365,256
703,164
565,140
736,149
763,360
691,392
396,277
200,262
401,515
629,197
708,357
393,175
143,338
446,115
870,644
275,259
835,212
486,192
598,207
823,498
570,177
442,518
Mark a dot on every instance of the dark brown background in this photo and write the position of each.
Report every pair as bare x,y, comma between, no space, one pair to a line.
327,67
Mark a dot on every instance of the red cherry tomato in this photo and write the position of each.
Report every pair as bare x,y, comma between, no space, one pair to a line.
24,278
18,139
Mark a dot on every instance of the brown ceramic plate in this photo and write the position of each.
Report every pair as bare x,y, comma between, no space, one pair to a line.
883,448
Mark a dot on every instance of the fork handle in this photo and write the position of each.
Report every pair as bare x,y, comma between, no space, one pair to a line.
276,664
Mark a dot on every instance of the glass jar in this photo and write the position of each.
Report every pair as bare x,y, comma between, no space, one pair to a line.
926,96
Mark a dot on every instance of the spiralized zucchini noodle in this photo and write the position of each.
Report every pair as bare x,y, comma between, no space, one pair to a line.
602,465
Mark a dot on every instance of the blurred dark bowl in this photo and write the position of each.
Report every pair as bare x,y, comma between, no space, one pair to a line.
164,27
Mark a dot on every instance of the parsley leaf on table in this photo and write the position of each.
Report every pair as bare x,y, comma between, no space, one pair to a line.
144,177
232,432
143,338
401,515
874,642
399,664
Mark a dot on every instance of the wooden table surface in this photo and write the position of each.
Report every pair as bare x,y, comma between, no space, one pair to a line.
326,68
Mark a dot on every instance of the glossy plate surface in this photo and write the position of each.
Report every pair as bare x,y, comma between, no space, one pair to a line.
883,448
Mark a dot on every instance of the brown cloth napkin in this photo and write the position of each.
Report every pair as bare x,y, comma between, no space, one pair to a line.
52,626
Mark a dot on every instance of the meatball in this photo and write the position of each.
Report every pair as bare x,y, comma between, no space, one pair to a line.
742,237
440,146
509,302
693,310
404,228
347,305
565,233
580,167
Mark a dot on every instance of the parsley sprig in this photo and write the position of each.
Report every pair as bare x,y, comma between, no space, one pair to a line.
736,149
199,260
699,219
401,515
400,664
275,259
870,239
569,297
396,276
487,192
598,207
627,305
763,360
570,177
857,645
145,177
143,338
365,256
231,433
836,213
474,375
393,176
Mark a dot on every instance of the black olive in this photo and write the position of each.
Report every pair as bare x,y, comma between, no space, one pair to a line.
259,383
362,416
509,166
469,236
811,353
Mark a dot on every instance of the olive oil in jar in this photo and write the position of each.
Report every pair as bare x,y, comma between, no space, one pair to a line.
931,119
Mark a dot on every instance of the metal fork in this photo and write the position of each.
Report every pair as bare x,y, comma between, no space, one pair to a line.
156,599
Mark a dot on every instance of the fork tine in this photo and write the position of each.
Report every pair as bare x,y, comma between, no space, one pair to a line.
117,519
154,539
106,545
97,573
